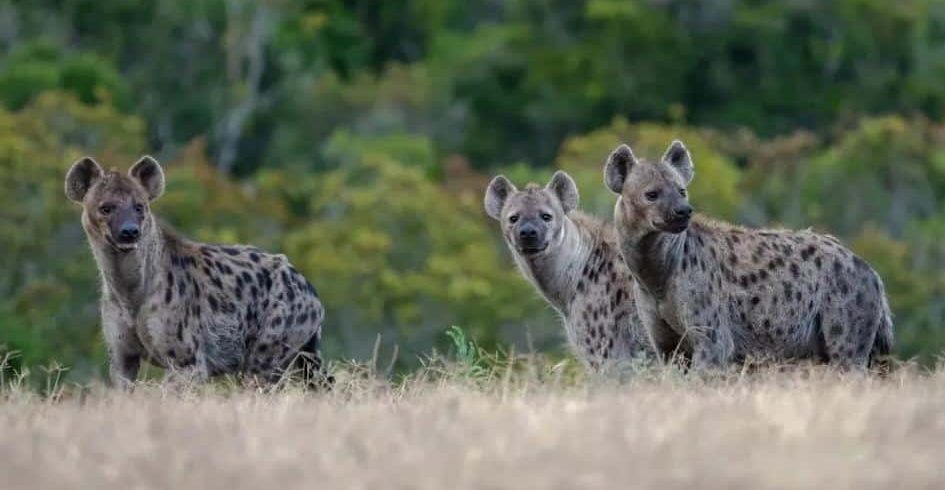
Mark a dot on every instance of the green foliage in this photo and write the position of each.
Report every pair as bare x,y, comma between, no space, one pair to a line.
468,354
34,68
392,252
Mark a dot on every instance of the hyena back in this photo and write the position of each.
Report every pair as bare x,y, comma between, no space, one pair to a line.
572,260
725,293
197,310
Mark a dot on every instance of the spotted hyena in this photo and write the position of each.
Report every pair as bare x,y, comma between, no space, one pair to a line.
723,293
572,260
198,310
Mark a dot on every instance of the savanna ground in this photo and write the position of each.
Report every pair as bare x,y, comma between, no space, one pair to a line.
480,421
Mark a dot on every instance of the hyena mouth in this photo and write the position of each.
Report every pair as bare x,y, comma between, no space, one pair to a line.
122,247
533,249
673,226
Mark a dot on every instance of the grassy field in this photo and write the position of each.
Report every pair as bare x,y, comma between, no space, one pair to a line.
456,426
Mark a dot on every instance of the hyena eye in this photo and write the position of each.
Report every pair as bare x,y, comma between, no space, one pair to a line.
513,218
106,208
546,216
652,195
139,208
682,192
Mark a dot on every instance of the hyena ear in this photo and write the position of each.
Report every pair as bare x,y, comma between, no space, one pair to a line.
678,157
498,191
564,187
618,167
147,171
83,173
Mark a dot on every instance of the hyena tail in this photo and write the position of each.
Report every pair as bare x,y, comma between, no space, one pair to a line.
883,342
313,367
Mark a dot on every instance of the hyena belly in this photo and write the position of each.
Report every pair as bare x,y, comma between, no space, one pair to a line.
229,309
786,294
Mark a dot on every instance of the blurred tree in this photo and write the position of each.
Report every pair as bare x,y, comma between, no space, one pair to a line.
887,171
40,66
393,254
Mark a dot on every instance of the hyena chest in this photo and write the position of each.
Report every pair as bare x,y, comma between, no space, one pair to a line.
169,336
174,333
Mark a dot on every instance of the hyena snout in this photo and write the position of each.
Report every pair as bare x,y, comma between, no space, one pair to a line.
125,225
683,212
676,218
129,233
532,237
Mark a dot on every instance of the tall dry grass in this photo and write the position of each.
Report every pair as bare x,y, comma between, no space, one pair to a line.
525,425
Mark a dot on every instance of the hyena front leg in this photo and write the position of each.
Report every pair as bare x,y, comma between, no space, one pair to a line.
712,346
124,351
123,369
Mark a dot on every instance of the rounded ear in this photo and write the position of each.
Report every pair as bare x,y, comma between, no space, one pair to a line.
80,178
618,167
564,187
678,157
147,171
498,191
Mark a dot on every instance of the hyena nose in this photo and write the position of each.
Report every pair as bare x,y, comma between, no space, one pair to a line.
527,233
129,232
683,211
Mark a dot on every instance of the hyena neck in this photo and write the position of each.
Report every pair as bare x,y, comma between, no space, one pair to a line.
652,257
555,272
128,275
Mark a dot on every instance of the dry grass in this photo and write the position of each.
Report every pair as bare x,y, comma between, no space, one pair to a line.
535,426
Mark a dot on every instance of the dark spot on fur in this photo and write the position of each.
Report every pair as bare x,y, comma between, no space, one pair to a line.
807,252
837,267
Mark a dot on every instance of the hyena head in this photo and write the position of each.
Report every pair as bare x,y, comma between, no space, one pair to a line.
532,219
652,195
116,207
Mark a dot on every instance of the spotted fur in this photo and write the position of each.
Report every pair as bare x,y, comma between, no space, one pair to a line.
725,293
195,309
572,260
